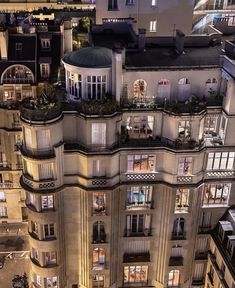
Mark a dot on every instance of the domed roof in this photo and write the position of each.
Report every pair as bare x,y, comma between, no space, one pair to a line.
90,57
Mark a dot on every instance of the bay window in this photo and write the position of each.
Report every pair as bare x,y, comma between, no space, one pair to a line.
184,130
135,274
47,202
185,166
140,163
139,196
96,87
220,161
216,194
140,126
49,231
75,85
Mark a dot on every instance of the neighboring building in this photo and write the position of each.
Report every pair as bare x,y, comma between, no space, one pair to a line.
221,264
29,55
127,195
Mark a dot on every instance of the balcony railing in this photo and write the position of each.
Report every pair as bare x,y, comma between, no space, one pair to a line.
38,153
100,238
136,257
144,233
176,261
178,236
138,205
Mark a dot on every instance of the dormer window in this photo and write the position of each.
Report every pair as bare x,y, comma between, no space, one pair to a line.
45,43
225,229
18,46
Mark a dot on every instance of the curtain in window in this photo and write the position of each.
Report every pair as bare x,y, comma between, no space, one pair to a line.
98,136
43,139
45,171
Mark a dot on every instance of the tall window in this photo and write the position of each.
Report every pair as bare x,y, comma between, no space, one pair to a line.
99,203
97,281
185,166
173,278
163,91
220,161
96,87
112,4
34,227
47,202
49,231
140,126
43,139
138,224
98,262
3,160
184,89
50,258
140,90
210,125
45,43
184,130
139,196
154,2
3,212
75,85
28,138
28,168
182,201
99,232
140,163
52,282
2,196
178,228
98,168
35,254
136,274
176,251
153,26
216,194
211,87
98,133
45,70
46,171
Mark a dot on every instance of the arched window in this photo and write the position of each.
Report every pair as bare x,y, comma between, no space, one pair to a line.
211,87
173,278
164,87
98,259
99,232
140,90
184,91
17,74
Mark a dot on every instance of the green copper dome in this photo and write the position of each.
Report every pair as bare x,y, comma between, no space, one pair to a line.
90,57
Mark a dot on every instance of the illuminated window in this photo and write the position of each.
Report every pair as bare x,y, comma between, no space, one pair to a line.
184,89
96,87
136,274
38,280
184,130
2,196
140,163
140,126
75,85
98,281
173,278
43,139
185,166
3,212
98,133
216,194
163,91
139,196
45,43
49,231
139,90
98,260
154,2
220,161
47,202
50,258
52,282
153,26
182,200
17,74
99,203
45,70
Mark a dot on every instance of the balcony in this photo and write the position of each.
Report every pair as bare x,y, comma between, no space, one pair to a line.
145,233
139,205
178,236
198,282
201,255
100,238
136,257
176,261
204,229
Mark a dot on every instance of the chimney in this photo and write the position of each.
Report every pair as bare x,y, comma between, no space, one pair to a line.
117,73
3,43
179,42
141,39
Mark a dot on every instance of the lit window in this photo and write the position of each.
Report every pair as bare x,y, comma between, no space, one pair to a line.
50,258
216,194
3,160
75,85
49,231
185,166
139,90
47,202
153,26
163,91
139,196
52,282
96,87
35,254
45,43
154,2
2,196
46,171
3,212
184,130
138,224
45,70
17,74
182,200
140,126
136,274
98,261
38,280
43,139
99,235
173,278
220,161
99,203
98,133
34,227
178,227
98,280
184,89
140,163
